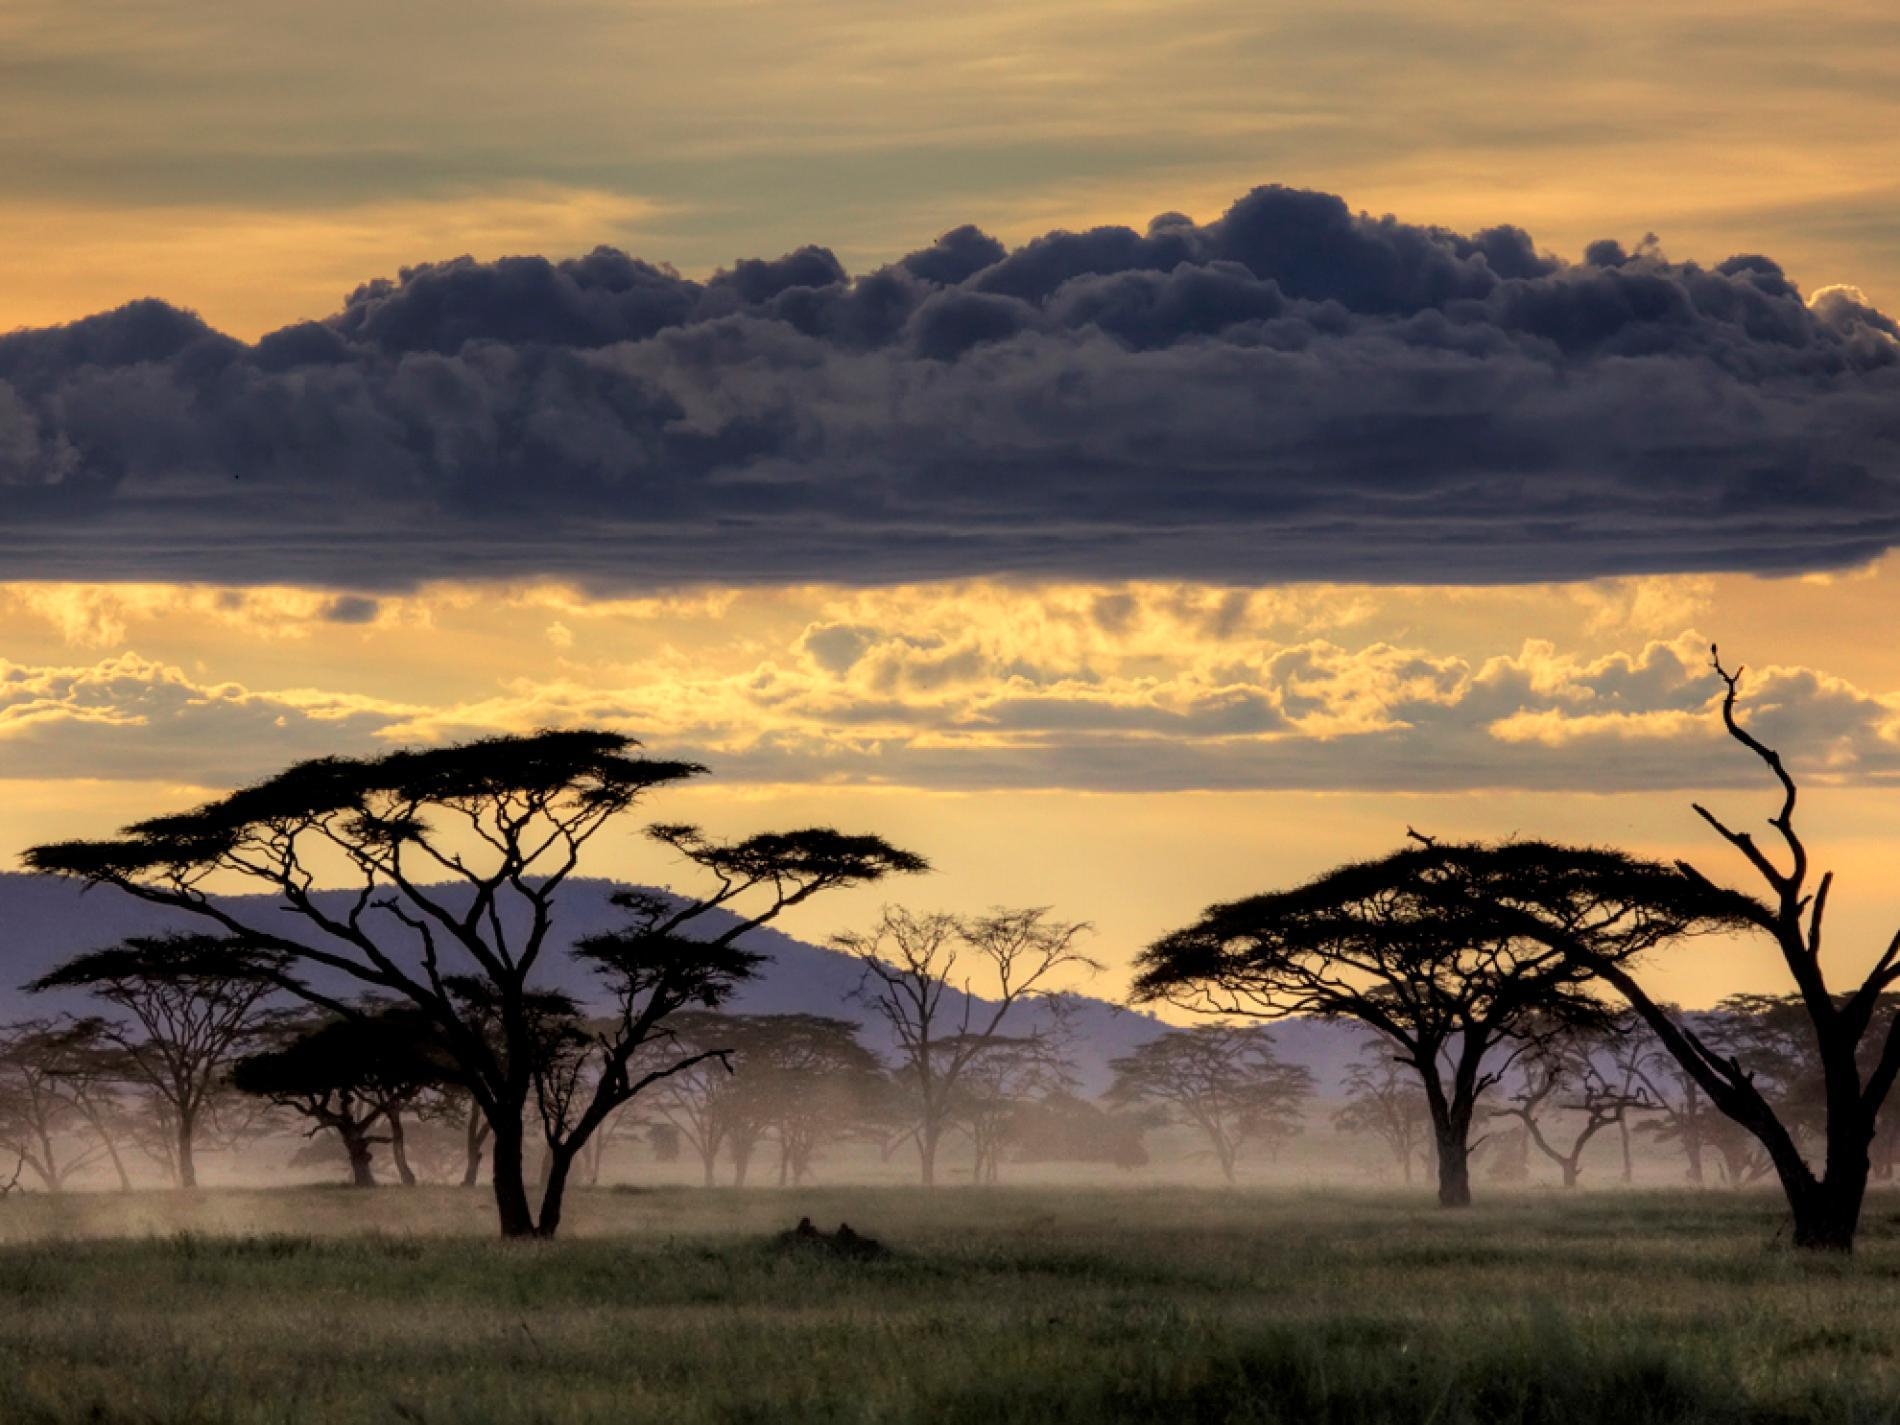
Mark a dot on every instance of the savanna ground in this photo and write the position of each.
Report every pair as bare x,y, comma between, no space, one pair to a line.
1037,1304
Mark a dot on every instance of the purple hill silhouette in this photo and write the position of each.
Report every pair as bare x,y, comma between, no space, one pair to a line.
45,921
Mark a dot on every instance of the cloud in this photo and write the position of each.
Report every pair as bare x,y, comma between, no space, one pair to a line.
938,695
135,718
1290,392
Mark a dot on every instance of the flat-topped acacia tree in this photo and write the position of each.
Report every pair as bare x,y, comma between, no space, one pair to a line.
1402,945
450,861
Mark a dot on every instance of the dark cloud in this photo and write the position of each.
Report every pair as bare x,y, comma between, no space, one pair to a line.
1292,391
349,608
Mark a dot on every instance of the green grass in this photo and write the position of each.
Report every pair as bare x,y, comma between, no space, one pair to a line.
997,1305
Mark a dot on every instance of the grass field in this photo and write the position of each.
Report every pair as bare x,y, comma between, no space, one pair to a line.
995,1305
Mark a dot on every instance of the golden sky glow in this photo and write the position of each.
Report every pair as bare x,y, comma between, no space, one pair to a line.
1125,752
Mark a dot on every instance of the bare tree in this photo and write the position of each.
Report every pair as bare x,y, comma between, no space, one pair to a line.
920,978
451,861
1223,1080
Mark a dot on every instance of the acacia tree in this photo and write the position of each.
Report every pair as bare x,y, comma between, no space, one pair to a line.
42,1121
348,1076
700,1100
1005,1074
1854,1036
1383,1101
918,980
1223,1080
448,863
804,1079
195,1002
1403,945
1564,1069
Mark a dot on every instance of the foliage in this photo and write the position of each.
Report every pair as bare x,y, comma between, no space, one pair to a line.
1224,1081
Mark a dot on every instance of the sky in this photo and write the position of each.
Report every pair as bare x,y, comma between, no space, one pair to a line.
1135,454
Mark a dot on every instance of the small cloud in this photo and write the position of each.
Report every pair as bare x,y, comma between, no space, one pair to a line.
350,608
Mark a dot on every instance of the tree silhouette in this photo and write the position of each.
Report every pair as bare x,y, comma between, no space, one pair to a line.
452,860
1406,946
46,1121
349,1076
1224,1081
804,1079
917,979
1384,1101
1564,1069
1002,1076
1854,1037
196,1003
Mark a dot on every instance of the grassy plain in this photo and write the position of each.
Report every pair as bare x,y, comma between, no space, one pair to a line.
996,1305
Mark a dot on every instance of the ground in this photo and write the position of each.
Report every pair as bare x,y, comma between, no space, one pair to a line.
1042,1304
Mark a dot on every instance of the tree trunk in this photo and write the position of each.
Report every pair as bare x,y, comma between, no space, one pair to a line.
399,1148
927,1153
356,1144
118,1163
511,1188
1827,1216
554,1194
1454,1170
477,1139
1571,1172
1629,1162
187,1164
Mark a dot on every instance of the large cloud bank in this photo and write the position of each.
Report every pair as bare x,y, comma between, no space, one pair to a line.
1289,392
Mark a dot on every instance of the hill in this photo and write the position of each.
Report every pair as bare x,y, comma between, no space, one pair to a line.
44,921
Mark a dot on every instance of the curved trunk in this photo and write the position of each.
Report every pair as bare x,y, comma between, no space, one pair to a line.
476,1140
554,1194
